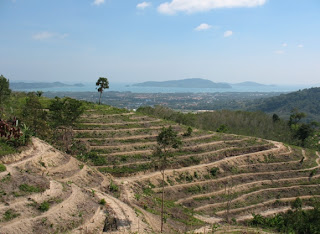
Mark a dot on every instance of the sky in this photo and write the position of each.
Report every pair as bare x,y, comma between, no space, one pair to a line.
266,41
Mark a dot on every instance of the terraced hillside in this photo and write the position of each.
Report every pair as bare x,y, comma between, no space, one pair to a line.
211,179
46,191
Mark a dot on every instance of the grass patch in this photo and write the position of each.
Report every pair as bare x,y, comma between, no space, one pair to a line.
30,189
125,170
2,167
6,149
9,215
44,206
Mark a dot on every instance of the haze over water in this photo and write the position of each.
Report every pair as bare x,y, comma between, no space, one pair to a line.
123,87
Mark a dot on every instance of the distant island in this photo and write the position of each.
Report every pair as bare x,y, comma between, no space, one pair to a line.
41,85
251,84
185,83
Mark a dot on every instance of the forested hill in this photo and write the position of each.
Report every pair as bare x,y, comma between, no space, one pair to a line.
186,83
307,101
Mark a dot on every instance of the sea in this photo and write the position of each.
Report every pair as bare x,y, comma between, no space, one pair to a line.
125,87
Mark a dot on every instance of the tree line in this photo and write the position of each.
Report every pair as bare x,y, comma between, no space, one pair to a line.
32,115
258,124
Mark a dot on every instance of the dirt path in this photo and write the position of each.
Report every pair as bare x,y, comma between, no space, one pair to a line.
242,197
278,146
241,187
126,216
123,123
239,175
270,212
123,130
264,203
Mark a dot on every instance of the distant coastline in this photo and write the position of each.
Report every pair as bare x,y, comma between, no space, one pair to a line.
41,85
185,83
198,83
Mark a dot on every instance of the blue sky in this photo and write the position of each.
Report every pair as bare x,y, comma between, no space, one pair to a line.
267,41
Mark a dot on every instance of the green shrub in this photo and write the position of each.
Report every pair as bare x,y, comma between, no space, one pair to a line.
6,149
9,215
102,202
188,132
113,187
214,171
2,167
44,206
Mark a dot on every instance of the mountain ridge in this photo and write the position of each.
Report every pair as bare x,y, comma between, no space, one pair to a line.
184,83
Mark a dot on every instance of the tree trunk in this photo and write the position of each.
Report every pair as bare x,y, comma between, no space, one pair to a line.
100,98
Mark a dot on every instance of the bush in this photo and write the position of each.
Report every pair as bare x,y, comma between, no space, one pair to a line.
6,149
102,201
113,187
188,132
214,171
2,167
44,206
9,215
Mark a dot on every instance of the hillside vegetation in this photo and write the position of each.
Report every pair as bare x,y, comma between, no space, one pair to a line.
306,101
256,124
115,179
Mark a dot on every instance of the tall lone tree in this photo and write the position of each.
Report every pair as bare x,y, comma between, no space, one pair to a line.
102,84
167,139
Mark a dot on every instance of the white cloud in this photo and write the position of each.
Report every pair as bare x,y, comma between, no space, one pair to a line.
98,2
203,27
284,45
48,35
143,5
279,52
300,46
228,33
191,6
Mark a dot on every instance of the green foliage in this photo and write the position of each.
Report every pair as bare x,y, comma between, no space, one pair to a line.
79,148
5,92
96,159
293,221
44,206
113,187
102,202
214,171
102,84
275,118
188,132
6,149
168,138
65,112
2,167
257,124
10,214
126,170
26,135
34,116
296,204
30,189
39,93
222,128
304,100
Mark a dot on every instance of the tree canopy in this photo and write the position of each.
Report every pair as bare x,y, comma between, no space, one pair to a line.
102,84
64,112
5,91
